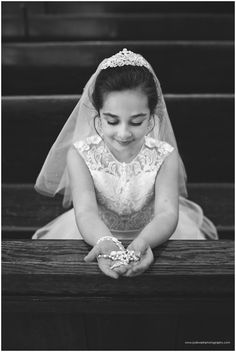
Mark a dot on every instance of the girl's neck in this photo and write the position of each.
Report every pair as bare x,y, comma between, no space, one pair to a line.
128,154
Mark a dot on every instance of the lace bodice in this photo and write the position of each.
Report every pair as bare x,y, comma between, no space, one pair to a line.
124,191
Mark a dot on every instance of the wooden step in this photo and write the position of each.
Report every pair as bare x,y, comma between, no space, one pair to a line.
48,289
64,68
13,28
139,7
203,125
24,210
119,27
12,7
18,7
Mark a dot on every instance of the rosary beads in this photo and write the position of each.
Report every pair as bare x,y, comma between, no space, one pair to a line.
121,257
113,239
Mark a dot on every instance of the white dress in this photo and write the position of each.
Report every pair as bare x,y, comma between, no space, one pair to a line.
125,195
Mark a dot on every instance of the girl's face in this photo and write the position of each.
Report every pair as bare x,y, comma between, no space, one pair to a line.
125,120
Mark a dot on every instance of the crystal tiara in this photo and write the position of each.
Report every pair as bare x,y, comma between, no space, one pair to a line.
124,57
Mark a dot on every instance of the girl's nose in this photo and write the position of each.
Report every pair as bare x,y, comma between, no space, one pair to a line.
124,132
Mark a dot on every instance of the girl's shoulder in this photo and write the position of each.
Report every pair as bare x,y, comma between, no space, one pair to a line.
161,147
87,143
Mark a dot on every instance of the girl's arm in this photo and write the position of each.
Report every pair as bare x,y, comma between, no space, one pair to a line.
166,216
88,221
165,220
91,227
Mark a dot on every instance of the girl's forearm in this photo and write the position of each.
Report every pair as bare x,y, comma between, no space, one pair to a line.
91,227
159,229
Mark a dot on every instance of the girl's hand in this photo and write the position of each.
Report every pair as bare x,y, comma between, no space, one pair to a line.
104,247
141,247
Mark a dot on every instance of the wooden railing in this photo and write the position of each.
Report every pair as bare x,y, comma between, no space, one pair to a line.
60,302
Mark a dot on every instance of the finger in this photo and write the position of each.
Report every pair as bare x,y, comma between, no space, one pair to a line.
106,270
92,255
136,271
130,269
138,251
139,269
147,259
130,246
135,265
141,266
121,270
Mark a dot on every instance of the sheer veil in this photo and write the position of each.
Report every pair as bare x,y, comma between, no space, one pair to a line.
53,177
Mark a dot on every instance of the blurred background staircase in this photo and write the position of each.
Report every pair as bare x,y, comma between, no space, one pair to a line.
49,51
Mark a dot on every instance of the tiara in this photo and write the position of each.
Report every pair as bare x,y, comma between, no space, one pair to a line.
124,57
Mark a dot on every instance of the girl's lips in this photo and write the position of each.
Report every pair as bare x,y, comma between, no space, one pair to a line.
124,142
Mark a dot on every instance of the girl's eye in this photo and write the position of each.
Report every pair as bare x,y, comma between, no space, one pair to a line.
112,122
131,123
136,124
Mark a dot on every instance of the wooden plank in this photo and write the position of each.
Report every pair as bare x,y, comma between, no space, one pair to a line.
13,27
140,7
192,117
181,268
203,333
109,305
27,331
46,284
40,331
122,27
64,68
24,210
11,7
16,7
94,331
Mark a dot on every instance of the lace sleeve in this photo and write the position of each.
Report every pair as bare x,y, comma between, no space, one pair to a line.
85,148
163,150
82,148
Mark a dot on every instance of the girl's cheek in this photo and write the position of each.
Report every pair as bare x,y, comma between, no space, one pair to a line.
109,130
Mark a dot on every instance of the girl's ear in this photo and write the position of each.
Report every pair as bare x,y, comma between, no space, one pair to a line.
98,125
151,124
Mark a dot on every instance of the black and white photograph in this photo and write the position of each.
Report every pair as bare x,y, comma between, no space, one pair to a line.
118,175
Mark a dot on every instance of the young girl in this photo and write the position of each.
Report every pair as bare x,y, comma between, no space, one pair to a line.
117,160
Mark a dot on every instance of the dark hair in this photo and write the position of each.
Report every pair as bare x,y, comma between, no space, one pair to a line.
122,78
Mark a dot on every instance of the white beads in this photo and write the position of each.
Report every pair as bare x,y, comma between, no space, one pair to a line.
121,257
113,239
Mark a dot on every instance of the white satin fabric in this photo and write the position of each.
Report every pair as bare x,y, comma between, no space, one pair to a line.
125,195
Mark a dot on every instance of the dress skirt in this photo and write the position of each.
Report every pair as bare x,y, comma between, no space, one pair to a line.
192,225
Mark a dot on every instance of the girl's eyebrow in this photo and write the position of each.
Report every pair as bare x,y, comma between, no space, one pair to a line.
133,116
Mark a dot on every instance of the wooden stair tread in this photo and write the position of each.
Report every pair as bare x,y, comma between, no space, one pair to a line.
119,27
140,7
64,68
127,7
24,210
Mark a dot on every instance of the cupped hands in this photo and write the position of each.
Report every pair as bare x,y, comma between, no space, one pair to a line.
141,249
